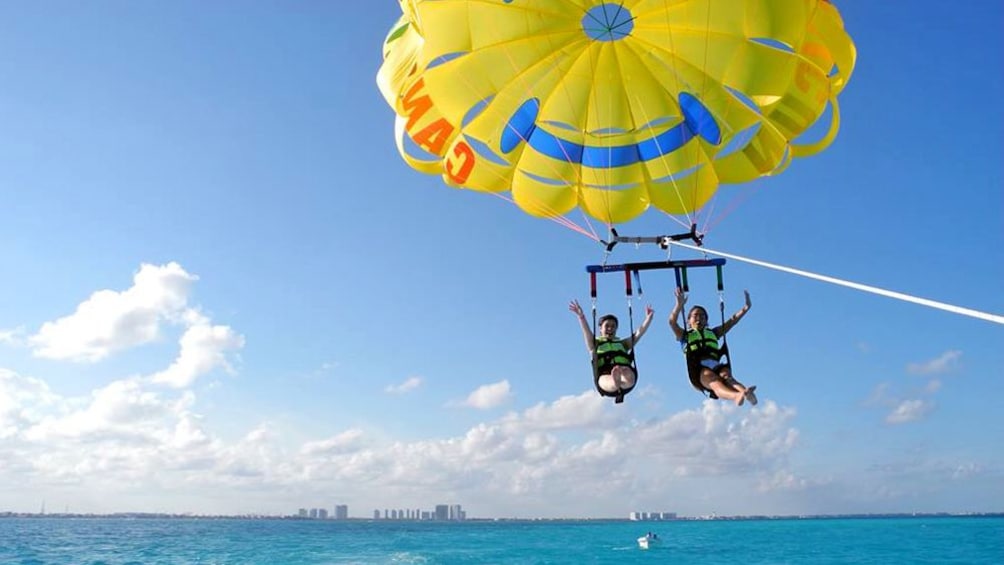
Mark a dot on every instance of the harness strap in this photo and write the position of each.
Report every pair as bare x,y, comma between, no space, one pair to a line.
694,367
721,308
632,363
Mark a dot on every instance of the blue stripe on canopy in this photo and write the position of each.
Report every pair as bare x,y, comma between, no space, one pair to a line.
698,121
670,140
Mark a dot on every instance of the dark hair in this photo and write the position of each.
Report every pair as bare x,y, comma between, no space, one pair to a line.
695,308
606,317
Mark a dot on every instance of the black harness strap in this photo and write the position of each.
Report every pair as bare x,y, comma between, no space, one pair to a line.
724,349
619,395
694,367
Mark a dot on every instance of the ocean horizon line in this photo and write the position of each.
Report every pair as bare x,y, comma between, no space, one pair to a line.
292,517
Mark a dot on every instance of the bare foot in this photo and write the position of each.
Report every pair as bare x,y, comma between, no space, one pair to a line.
751,395
740,398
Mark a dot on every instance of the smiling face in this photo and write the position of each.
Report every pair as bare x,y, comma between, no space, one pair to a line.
608,326
698,318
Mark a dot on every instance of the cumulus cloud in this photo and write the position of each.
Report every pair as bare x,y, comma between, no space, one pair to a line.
344,442
902,410
489,396
122,410
204,347
130,437
908,411
945,363
110,321
586,410
21,398
410,384
720,439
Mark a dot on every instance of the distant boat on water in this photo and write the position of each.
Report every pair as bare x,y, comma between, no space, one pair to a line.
649,540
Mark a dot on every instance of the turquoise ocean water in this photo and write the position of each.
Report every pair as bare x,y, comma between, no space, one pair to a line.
116,541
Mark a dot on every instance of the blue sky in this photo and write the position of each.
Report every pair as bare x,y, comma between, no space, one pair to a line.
224,292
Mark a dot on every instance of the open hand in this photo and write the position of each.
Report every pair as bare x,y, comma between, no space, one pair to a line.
574,307
681,297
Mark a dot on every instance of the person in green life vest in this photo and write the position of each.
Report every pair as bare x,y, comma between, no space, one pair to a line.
611,355
700,343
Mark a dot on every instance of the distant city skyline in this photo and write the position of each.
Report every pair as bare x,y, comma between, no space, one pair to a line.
629,518
441,512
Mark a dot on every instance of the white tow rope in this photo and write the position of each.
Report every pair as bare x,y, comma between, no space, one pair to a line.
997,318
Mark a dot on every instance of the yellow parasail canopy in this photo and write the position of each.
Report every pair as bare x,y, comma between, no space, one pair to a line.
612,106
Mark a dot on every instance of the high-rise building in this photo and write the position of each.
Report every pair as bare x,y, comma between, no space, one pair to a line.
376,514
341,512
442,512
652,516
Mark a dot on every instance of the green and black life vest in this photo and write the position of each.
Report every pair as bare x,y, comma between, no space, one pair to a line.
702,344
699,345
611,353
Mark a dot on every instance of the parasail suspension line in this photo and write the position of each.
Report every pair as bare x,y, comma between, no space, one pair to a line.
996,318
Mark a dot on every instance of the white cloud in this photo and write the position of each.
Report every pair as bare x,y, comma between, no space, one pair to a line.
944,363
122,409
21,399
489,396
129,440
586,410
344,442
110,321
203,349
783,480
13,337
410,384
909,411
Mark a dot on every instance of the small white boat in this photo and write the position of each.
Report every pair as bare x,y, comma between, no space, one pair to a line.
649,540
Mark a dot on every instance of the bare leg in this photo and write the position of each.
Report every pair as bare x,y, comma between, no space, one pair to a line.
748,392
623,377
608,384
713,381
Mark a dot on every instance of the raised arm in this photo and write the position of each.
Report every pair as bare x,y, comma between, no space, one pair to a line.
681,299
732,321
587,333
649,313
